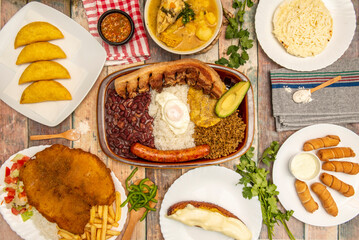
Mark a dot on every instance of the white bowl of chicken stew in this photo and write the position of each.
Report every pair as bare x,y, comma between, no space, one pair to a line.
183,27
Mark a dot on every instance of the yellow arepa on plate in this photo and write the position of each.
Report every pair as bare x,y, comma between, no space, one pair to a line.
303,27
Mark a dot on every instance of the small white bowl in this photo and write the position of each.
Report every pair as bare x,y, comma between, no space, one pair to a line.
305,166
193,51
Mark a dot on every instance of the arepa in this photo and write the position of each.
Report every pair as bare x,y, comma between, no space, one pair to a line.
303,27
37,32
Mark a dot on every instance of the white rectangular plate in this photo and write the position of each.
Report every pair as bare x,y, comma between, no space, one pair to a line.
85,60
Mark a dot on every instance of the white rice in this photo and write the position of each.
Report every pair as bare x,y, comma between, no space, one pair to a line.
47,229
164,138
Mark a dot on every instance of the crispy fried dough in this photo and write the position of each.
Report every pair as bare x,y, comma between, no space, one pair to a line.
43,70
205,205
42,91
37,32
63,184
191,71
39,51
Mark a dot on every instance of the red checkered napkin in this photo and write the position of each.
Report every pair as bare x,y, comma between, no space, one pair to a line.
136,50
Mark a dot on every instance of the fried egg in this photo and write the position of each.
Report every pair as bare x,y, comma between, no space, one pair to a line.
174,112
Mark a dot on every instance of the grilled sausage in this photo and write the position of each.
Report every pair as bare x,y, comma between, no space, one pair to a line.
156,155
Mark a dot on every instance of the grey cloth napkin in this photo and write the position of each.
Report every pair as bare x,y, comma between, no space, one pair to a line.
337,103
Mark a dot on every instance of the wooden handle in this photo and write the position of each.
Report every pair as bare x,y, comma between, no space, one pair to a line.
327,83
42,137
131,226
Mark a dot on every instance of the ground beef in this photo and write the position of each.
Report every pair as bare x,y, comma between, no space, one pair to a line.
223,138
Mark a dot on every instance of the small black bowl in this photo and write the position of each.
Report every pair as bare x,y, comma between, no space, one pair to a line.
111,12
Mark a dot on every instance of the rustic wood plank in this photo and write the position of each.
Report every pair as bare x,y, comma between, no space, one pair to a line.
350,230
13,130
327,233
36,128
86,113
162,178
63,6
249,69
267,134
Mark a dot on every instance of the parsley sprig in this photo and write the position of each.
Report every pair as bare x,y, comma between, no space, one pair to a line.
235,30
255,183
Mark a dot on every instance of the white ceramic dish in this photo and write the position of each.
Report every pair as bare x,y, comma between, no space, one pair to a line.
297,166
285,180
28,230
85,59
212,184
196,50
344,24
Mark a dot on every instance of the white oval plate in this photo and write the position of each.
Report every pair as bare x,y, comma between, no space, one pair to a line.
344,24
28,230
212,184
285,180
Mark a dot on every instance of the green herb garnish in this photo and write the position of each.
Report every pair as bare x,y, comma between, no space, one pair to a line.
187,14
26,215
255,183
140,195
235,30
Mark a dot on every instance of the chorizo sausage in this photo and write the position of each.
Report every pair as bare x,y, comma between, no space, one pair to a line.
156,155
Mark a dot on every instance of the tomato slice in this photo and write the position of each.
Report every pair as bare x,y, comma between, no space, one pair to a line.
7,171
14,211
21,163
22,210
9,180
11,191
13,167
8,199
22,194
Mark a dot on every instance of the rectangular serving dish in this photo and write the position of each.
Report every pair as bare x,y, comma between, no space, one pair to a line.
229,77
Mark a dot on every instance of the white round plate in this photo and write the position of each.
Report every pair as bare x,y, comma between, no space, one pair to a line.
344,24
212,184
28,230
285,180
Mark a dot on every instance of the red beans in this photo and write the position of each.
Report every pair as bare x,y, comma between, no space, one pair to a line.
127,122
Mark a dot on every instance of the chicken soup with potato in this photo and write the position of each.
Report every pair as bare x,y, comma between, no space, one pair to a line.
183,25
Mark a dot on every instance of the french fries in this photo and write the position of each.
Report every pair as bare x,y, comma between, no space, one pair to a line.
118,208
102,220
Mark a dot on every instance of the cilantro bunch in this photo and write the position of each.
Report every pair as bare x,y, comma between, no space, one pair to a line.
255,183
187,14
235,30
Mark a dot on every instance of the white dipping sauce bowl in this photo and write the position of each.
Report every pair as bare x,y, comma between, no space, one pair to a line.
305,166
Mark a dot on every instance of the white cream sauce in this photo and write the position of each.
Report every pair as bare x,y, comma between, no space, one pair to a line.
305,166
212,221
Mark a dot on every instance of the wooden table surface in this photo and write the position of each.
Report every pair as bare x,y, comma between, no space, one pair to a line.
15,129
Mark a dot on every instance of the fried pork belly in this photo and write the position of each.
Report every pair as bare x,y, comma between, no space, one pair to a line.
191,71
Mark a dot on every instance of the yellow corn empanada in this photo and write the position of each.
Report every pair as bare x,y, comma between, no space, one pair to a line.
39,51
37,32
43,70
42,91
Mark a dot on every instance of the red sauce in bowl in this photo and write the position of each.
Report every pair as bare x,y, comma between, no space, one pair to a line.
116,27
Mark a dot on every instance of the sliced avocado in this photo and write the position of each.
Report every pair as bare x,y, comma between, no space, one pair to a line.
230,101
